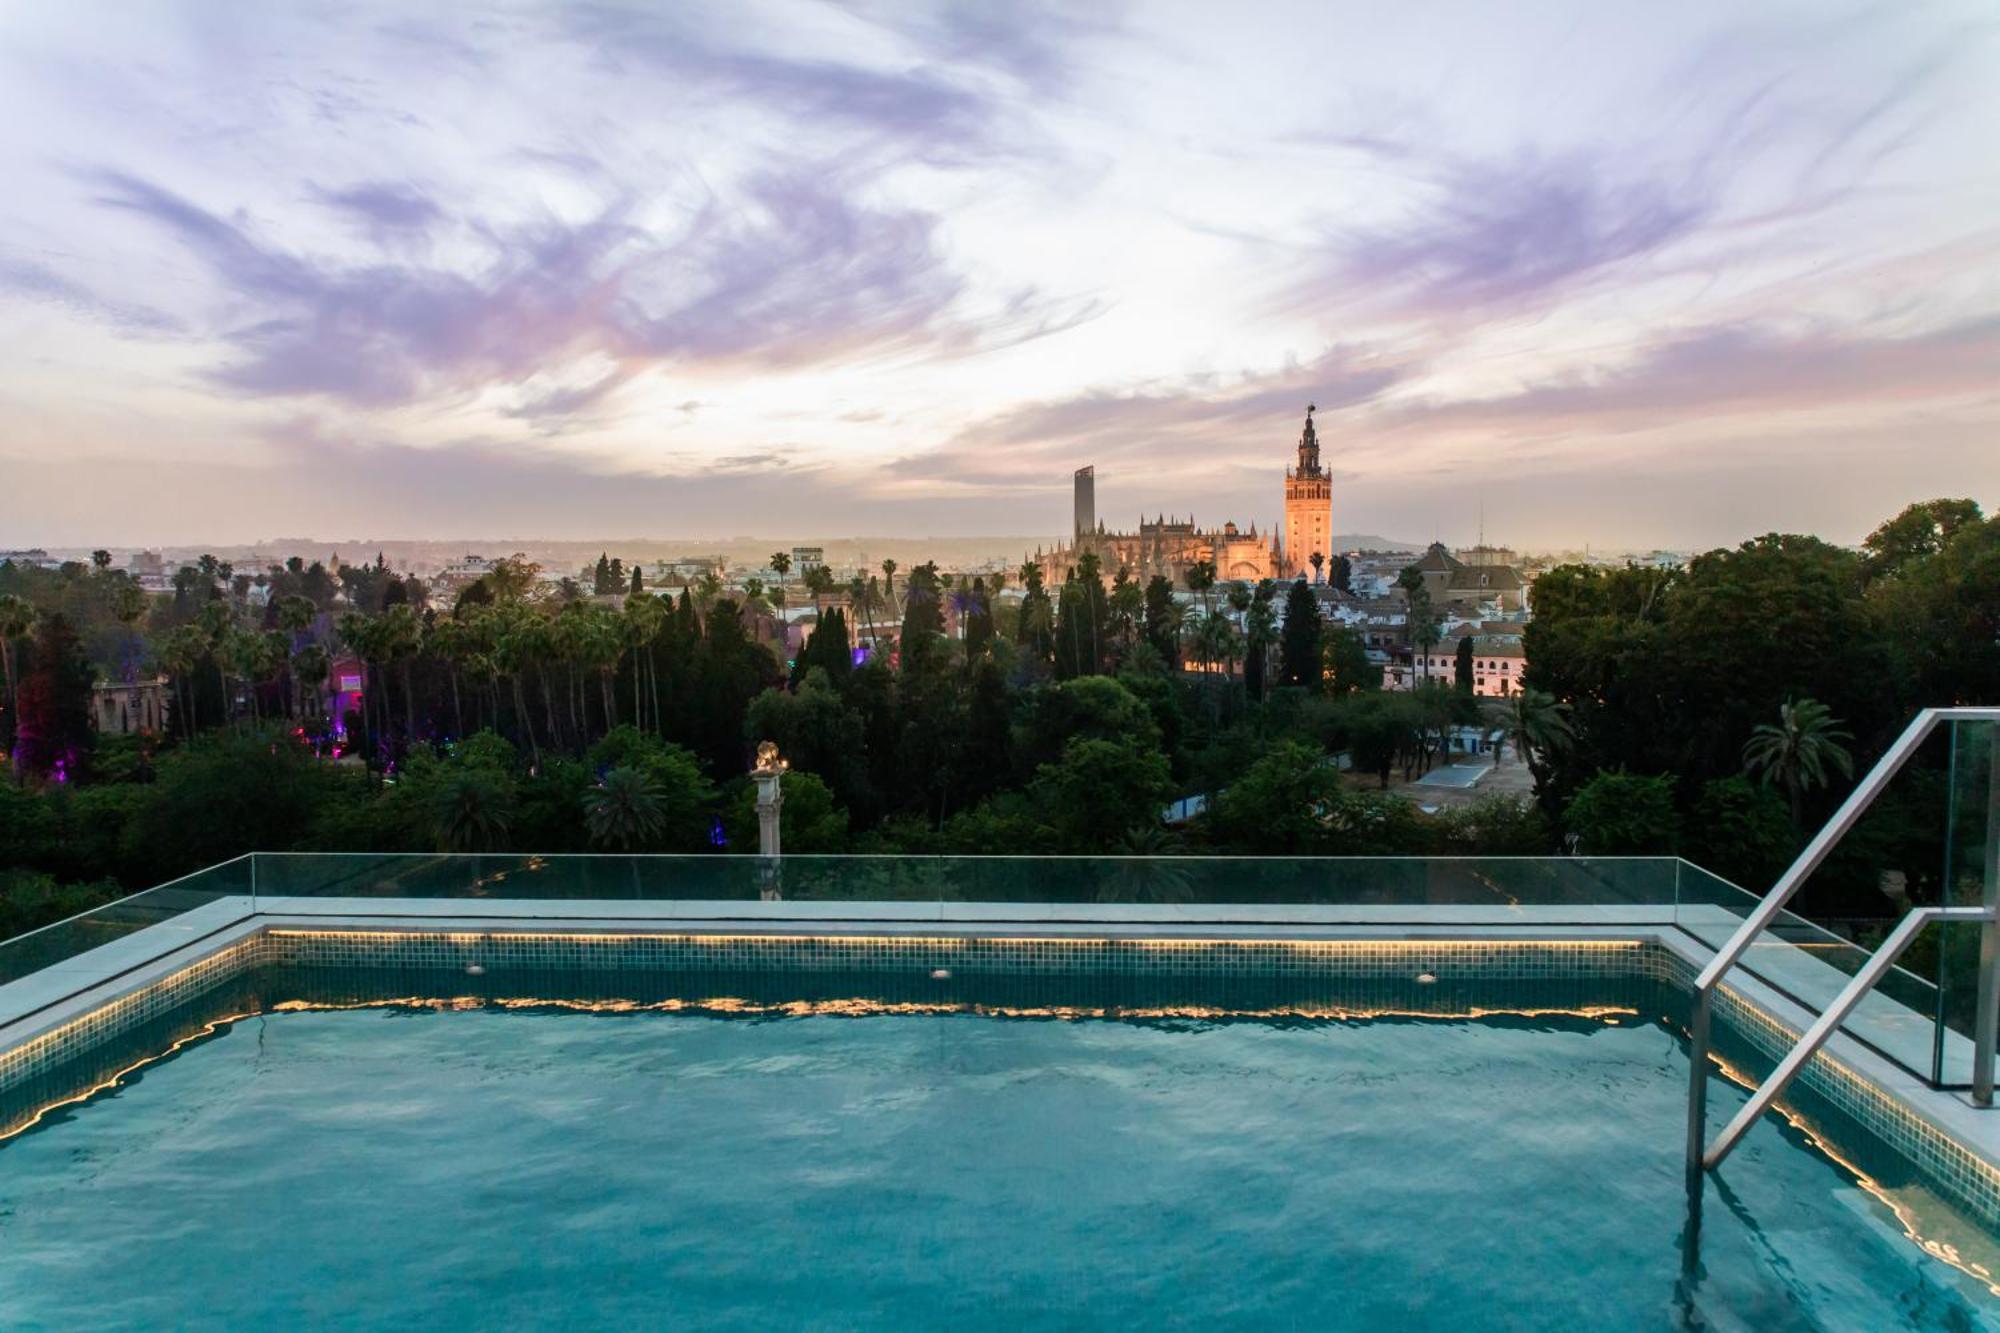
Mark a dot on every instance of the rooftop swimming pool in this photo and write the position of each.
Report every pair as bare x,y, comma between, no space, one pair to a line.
392,1131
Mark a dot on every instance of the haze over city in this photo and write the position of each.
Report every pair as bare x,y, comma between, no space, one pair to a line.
1563,273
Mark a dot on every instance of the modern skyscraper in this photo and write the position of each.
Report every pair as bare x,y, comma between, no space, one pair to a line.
1086,502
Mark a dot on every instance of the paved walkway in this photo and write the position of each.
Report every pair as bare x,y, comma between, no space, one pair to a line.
1509,778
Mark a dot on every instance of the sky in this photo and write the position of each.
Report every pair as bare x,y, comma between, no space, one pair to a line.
1558,273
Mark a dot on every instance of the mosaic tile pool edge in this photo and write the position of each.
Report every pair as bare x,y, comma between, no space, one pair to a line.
990,955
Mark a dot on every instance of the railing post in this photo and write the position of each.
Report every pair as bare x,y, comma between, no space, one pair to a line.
1697,1138
1986,1019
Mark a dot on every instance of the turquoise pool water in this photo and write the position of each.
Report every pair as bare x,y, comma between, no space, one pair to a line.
523,1168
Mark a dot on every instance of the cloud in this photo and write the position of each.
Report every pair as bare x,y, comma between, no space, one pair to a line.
922,109
385,206
796,270
1748,136
1203,425
1511,235
1034,44
565,408
1735,371
37,282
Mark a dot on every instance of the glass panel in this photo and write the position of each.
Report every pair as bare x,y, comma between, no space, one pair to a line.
1972,841
102,925
1499,882
1811,964
505,875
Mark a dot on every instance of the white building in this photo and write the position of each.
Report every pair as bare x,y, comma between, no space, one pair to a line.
1498,662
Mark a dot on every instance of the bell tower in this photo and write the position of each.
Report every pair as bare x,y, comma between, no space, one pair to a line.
1308,505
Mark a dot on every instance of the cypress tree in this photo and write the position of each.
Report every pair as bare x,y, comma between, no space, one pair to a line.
830,648
978,621
1298,646
1161,630
1034,631
1073,638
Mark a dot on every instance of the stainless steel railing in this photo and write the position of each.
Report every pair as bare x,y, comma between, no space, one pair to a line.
1986,1031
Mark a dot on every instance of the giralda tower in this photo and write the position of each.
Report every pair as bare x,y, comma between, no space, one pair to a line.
1308,505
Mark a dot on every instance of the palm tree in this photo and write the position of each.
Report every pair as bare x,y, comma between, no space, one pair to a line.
296,614
781,565
644,615
1798,750
1216,640
274,655
129,603
857,597
180,653
623,811
961,602
1260,630
1127,606
889,579
1201,580
603,645
520,643
309,670
1148,870
247,655
472,811
217,623
1229,639
17,617
1536,725
706,589
401,640
819,582
449,641
1423,624
1318,561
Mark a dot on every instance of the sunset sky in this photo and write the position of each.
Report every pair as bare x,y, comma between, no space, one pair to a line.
1624,274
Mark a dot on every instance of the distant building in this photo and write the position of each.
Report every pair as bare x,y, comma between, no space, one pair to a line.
1380,621
1308,504
687,569
147,565
1168,545
1451,581
463,572
808,557
345,678
1498,661
129,707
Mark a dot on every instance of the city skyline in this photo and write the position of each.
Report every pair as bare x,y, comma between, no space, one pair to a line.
1562,275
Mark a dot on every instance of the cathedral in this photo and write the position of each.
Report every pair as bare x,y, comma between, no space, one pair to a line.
1168,545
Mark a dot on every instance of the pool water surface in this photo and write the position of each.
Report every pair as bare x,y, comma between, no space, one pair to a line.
830,1165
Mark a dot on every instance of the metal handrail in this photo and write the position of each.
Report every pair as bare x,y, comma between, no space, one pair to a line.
1809,860
1827,1023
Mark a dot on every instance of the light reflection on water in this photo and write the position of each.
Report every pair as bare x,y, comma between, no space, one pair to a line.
753,1160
